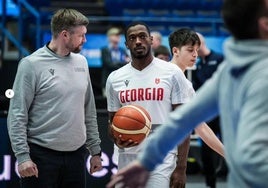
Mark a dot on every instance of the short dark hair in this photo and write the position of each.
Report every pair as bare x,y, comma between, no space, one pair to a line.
161,50
241,17
182,37
134,23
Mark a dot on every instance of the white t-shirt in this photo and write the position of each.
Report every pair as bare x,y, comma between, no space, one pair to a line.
155,88
191,90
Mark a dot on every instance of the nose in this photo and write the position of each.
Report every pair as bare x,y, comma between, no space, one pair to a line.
138,40
195,53
84,39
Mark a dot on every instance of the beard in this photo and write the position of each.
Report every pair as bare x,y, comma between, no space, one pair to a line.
140,55
76,50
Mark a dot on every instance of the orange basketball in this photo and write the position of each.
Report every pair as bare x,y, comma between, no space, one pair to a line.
131,122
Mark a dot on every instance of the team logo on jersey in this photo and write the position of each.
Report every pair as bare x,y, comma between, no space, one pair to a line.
126,82
51,71
157,80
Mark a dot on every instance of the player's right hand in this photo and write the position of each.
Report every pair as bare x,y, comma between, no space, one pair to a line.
121,143
28,169
132,176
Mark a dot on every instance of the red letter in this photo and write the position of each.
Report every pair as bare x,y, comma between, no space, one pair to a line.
160,94
140,94
121,96
133,95
147,94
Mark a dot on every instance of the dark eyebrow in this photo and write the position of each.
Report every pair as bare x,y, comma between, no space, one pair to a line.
142,32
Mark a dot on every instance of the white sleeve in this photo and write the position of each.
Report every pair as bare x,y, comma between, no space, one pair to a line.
203,107
181,90
113,103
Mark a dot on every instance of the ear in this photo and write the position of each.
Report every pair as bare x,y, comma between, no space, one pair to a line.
64,33
175,50
263,25
126,45
151,37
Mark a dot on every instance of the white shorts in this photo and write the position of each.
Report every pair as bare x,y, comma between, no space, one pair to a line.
160,177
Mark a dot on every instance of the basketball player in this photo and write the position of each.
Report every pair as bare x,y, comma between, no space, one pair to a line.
184,45
237,91
159,87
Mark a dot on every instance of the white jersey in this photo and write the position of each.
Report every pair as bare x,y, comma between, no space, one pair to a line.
191,91
156,88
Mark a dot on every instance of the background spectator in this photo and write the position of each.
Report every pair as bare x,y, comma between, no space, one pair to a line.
162,52
207,64
157,39
113,56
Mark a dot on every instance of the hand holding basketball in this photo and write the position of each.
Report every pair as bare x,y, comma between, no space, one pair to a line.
131,124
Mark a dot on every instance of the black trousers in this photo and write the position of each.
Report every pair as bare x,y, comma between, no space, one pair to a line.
57,169
210,159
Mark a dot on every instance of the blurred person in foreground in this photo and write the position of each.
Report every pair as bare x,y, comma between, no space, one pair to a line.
52,121
237,92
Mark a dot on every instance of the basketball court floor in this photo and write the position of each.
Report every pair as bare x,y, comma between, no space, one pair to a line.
198,181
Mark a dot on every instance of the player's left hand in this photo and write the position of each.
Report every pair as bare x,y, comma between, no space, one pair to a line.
95,164
177,178
121,143
132,176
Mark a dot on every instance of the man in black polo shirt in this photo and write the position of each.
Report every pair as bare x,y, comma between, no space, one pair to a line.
207,64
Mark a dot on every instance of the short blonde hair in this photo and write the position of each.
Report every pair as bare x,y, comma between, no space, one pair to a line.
67,19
